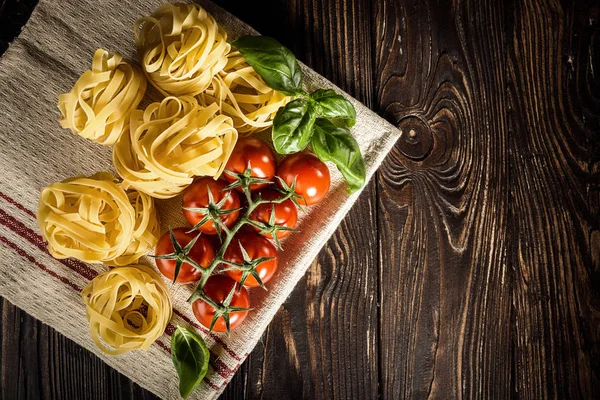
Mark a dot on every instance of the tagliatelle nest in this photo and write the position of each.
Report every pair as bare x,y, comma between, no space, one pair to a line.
242,94
99,104
146,231
181,48
171,142
128,308
94,220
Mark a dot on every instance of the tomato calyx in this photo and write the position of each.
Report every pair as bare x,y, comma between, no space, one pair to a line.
213,212
248,267
270,227
222,309
290,192
180,254
245,179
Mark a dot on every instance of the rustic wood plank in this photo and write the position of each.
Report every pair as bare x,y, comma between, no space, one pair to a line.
483,200
323,342
488,215
37,362
554,153
329,354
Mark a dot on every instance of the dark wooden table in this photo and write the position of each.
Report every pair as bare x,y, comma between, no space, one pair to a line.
470,266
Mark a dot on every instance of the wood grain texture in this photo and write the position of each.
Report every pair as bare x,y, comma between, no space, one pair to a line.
470,266
323,342
484,201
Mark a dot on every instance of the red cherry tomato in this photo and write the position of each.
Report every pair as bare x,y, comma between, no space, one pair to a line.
196,196
202,253
312,176
217,287
285,213
254,151
256,246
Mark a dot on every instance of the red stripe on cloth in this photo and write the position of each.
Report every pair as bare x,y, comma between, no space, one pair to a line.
212,385
206,380
19,228
215,337
218,365
81,268
19,206
163,346
32,260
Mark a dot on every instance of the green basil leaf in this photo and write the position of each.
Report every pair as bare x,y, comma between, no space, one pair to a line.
274,62
333,105
293,126
335,144
190,357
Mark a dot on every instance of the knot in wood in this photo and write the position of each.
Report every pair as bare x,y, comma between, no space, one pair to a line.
416,138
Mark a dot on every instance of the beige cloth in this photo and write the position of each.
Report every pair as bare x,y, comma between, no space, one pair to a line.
55,47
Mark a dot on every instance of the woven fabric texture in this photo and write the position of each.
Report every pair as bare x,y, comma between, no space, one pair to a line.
54,48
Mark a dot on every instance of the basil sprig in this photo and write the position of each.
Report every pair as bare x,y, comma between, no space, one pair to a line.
190,357
336,144
334,106
294,125
275,63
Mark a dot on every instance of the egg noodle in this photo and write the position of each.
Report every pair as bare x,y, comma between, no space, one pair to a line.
242,94
93,219
128,308
181,47
99,104
211,93
146,231
171,142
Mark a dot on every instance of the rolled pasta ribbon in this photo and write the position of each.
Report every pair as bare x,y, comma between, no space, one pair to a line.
146,231
171,142
98,106
128,308
243,95
93,219
181,48
90,219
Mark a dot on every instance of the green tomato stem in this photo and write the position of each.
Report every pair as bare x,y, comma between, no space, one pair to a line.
229,235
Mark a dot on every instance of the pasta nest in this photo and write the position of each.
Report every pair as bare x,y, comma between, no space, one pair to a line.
171,142
181,48
243,95
93,219
99,104
128,308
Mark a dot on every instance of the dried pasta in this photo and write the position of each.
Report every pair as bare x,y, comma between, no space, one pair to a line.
171,142
93,219
146,231
243,95
128,308
99,104
181,48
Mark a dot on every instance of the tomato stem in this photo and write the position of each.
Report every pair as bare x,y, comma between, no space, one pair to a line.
243,181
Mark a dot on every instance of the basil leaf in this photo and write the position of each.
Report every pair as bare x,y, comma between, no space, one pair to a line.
333,105
293,126
274,62
335,144
190,357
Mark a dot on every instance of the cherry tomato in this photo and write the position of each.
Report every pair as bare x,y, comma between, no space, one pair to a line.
256,246
218,287
261,158
202,253
196,196
312,176
285,213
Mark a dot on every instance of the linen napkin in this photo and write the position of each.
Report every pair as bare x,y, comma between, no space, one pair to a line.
54,48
